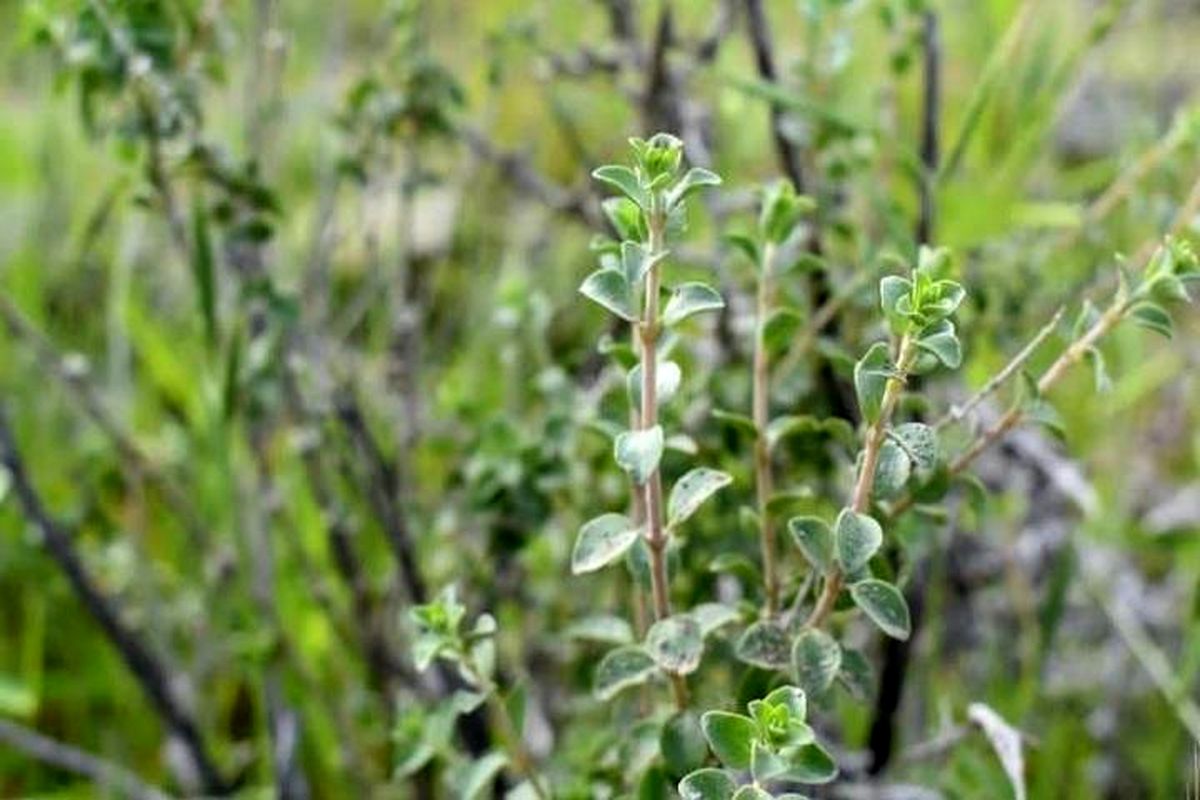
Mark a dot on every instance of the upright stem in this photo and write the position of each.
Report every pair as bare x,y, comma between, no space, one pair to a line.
656,535
860,501
762,455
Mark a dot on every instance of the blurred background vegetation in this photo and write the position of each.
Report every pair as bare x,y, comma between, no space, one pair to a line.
292,340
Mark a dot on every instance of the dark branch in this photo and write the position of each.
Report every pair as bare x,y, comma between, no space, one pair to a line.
79,762
930,127
147,668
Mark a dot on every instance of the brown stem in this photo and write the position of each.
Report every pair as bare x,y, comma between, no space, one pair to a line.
656,534
860,501
1069,357
762,456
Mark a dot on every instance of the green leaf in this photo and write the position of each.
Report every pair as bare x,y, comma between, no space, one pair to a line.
707,784
871,375
858,537
884,604
676,644
625,217
816,659
942,343
690,492
695,179
744,245
602,541
752,792
731,737
667,377
810,764
621,669
609,288
765,644
856,674
920,443
780,328
815,540
691,298
1100,376
780,428
479,776
625,181
204,272
604,628
713,616
765,764
892,470
682,743
891,289
638,452
1153,317
736,420
637,260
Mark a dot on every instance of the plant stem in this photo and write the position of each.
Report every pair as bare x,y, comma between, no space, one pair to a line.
511,737
860,501
656,534
760,411
958,413
1069,358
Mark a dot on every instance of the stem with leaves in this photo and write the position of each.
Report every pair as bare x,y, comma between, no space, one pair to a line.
628,284
761,415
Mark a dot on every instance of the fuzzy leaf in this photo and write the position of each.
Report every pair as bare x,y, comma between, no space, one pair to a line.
858,537
707,784
871,375
892,471
690,492
667,377
625,181
942,343
815,540
682,743
695,179
713,616
676,643
731,737
816,659
622,668
691,298
765,644
609,288
920,442
602,541
638,452
884,604
810,764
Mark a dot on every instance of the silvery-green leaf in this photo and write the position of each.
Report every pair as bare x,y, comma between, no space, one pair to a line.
884,604
695,179
676,644
871,375
691,490
892,470
713,616
609,288
858,538
602,541
707,784
815,540
622,668
606,628
667,377
816,659
920,443
691,298
765,644
638,452
624,180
